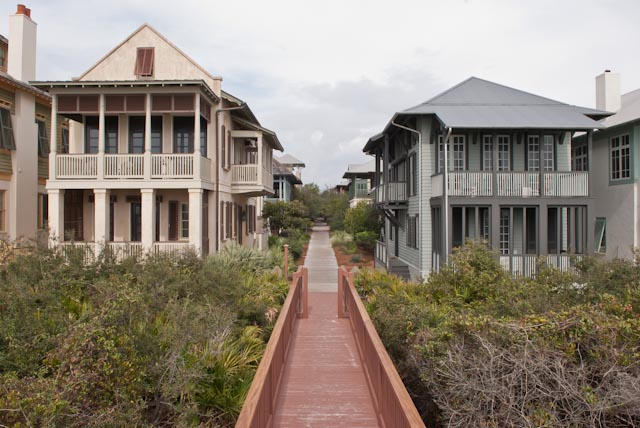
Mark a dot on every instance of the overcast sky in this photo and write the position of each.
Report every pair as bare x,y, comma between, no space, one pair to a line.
326,75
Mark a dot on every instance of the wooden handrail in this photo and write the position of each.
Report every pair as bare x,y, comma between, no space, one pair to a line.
259,405
394,406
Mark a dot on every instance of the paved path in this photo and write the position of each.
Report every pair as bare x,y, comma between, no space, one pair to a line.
323,384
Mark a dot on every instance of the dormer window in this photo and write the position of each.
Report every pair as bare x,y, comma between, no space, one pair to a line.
144,62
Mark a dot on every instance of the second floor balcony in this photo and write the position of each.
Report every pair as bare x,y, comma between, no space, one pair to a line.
513,184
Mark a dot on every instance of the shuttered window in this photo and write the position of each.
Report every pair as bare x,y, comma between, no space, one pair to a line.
412,231
221,221
43,138
229,149
185,220
144,62
223,144
6,131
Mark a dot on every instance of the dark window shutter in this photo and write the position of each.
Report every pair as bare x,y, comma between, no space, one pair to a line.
223,144
144,62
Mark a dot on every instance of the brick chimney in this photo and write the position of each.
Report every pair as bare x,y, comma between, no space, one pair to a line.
21,61
608,91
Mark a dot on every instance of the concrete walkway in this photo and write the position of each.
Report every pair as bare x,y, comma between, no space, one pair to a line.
323,384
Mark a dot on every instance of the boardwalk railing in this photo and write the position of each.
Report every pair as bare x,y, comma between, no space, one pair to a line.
393,404
258,408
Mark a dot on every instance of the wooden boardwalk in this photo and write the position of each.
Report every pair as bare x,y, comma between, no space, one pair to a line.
324,383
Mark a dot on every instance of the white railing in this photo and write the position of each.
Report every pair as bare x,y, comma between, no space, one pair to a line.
172,165
563,262
381,252
527,265
244,174
123,166
170,247
76,166
517,184
395,191
470,183
205,168
574,183
123,250
87,248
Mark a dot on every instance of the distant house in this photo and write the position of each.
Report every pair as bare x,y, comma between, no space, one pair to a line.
614,183
360,178
342,187
286,175
508,177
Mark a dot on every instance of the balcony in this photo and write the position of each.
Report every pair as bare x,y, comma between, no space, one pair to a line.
132,166
514,184
394,192
251,180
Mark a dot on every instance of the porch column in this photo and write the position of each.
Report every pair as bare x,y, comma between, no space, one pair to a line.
196,138
53,137
56,216
195,219
101,137
148,202
101,207
147,138
260,158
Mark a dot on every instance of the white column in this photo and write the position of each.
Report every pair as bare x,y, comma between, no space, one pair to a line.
56,216
147,139
101,205
260,159
53,149
148,218
195,219
101,137
196,138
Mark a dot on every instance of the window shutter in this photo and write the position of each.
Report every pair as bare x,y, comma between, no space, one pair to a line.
223,143
229,149
601,224
6,131
221,220
144,62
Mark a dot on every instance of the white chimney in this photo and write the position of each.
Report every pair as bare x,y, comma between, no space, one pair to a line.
608,91
21,61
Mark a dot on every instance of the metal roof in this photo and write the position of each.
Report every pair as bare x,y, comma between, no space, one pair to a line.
285,171
19,84
480,104
360,170
629,110
290,160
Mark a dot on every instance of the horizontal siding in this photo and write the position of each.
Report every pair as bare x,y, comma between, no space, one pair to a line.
563,154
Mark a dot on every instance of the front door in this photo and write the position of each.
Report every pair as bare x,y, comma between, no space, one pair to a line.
136,222
73,220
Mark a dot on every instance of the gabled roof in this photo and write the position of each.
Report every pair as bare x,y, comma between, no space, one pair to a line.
480,104
285,171
629,110
290,160
140,28
360,170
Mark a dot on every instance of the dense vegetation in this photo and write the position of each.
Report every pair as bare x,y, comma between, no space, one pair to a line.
477,347
167,341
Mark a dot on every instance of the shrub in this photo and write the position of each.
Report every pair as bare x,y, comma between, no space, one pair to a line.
366,240
362,218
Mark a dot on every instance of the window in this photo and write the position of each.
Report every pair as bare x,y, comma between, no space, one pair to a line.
3,210
413,174
6,131
158,206
203,137
182,134
504,230
137,130
601,235
92,132
136,221
174,220
184,220
3,63
43,138
533,153
43,210
504,153
469,222
580,158
223,144
144,62
620,156
487,153
548,153
412,231
156,134
65,141
567,232
457,144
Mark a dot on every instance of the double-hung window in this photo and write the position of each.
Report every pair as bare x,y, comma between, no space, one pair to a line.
579,158
533,153
43,138
548,153
182,134
412,231
487,152
504,153
455,153
620,157
184,220
137,131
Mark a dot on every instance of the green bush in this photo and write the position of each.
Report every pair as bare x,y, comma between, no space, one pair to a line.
167,341
287,216
472,340
344,241
362,218
366,240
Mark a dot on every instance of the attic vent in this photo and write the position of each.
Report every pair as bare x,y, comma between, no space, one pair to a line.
144,62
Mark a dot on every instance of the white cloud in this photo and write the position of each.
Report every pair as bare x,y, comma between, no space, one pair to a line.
327,75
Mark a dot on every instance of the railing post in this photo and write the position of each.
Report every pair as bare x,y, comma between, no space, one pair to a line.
285,270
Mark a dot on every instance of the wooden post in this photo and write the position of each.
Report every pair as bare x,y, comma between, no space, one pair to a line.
286,261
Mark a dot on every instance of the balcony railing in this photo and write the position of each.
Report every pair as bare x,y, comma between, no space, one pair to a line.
381,252
171,247
527,265
124,166
131,166
392,192
514,184
244,174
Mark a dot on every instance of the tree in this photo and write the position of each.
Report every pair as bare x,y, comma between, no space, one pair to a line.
286,215
310,196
